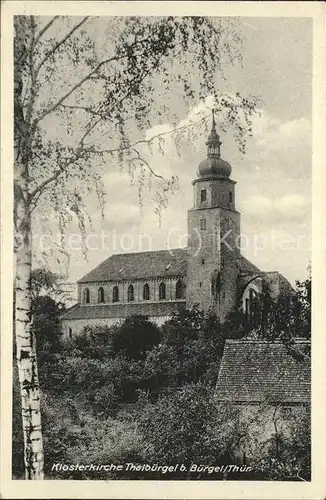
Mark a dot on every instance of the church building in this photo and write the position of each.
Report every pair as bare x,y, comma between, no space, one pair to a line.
210,271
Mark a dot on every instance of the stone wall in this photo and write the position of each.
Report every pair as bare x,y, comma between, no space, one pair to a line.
204,256
71,328
170,286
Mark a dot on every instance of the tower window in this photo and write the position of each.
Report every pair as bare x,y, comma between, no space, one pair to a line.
203,224
162,291
203,262
131,295
70,333
203,195
216,284
86,296
146,292
100,295
115,294
230,197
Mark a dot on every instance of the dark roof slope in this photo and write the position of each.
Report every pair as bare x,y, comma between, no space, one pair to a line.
129,266
246,267
255,371
107,311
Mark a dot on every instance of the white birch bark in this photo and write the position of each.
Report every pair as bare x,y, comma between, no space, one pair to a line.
26,355
25,341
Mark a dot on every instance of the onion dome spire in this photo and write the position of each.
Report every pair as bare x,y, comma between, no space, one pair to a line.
214,165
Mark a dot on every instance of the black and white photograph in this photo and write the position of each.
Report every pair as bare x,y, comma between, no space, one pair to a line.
163,272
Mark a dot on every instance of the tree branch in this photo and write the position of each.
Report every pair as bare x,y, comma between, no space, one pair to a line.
43,30
75,87
149,141
39,189
142,160
132,147
88,76
49,54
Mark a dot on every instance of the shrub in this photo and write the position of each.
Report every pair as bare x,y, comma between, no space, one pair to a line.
135,337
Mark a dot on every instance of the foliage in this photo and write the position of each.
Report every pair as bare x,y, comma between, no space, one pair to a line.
285,317
187,426
286,454
302,306
174,427
189,352
237,325
135,337
46,324
46,282
92,342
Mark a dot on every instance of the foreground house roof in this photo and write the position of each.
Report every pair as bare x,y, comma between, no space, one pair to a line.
131,266
255,371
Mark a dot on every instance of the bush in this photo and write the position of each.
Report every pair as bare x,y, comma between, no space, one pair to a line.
286,455
190,351
135,337
181,428
93,342
111,441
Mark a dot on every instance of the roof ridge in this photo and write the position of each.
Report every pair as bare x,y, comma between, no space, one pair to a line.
148,251
154,260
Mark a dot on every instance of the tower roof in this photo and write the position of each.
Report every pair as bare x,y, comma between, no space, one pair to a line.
214,165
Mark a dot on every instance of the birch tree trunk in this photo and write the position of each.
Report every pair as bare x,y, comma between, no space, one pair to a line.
26,348
25,341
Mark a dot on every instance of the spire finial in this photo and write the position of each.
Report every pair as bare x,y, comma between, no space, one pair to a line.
213,142
213,120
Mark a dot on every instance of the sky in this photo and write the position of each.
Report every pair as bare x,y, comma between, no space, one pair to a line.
273,191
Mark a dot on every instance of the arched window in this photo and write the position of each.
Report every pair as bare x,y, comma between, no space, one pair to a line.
162,291
100,295
146,292
115,294
247,307
131,295
86,296
179,290
70,333
252,301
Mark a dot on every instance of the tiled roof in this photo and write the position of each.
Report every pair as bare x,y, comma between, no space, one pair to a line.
131,266
257,371
106,311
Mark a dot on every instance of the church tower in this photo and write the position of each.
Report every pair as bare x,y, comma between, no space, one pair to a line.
213,234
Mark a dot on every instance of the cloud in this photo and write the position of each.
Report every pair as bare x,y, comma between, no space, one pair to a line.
292,205
292,208
280,148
